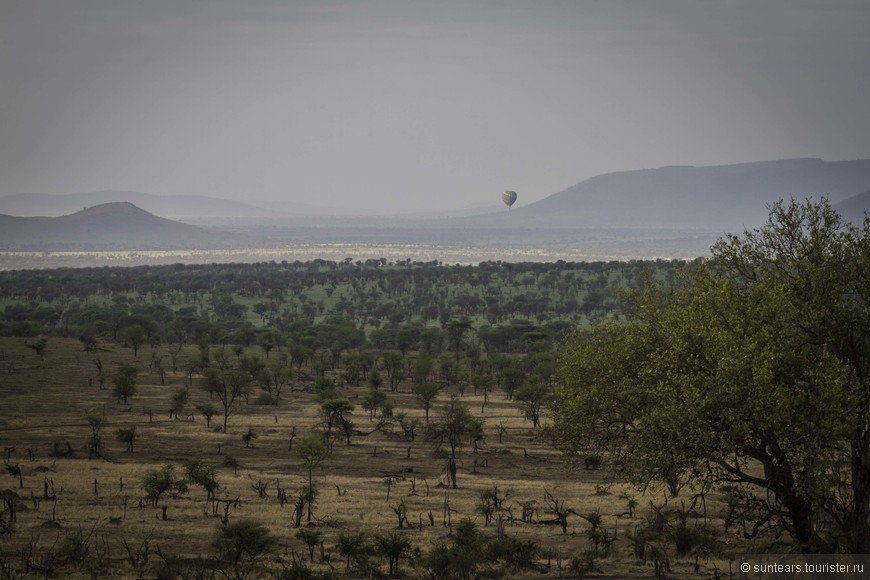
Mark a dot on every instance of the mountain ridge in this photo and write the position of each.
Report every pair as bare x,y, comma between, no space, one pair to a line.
706,197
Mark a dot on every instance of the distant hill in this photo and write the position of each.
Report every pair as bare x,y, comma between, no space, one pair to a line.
109,226
855,208
724,197
169,206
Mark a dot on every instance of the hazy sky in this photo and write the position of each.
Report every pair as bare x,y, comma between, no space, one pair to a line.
407,105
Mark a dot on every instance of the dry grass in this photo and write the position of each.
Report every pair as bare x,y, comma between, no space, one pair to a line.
44,402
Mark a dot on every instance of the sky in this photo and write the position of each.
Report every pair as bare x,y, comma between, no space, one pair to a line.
399,106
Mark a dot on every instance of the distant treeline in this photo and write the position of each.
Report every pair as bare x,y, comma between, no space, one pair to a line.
511,307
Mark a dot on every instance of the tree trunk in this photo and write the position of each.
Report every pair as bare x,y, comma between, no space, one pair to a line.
310,494
857,519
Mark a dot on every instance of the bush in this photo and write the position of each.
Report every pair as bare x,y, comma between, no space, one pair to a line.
517,554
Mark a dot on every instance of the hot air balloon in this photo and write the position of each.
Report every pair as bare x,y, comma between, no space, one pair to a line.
509,197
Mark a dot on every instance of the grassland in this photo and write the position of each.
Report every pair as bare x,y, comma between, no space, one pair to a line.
46,401
81,516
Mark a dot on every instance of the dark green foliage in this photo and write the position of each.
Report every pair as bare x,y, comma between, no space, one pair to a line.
159,481
179,400
514,553
202,474
228,381
753,364
531,399
356,549
95,443
454,426
208,411
393,546
248,437
311,538
311,450
126,381
127,436
38,347
242,543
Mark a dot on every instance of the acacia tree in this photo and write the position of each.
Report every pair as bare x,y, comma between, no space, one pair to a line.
126,382
312,450
127,437
179,399
228,383
208,411
531,398
336,413
158,481
242,544
426,393
456,331
454,427
752,372
95,443
38,347
134,335
394,365
202,474
275,376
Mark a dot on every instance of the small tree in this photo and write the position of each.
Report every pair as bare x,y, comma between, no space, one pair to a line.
354,547
393,546
38,347
134,335
126,381
89,342
311,537
179,400
228,383
394,365
14,469
95,443
208,411
454,427
375,379
202,474
531,398
241,544
373,402
456,330
336,414
127,437
249,436
158,481
312,450
426,392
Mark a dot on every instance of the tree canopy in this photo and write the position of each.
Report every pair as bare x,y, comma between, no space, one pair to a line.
751,372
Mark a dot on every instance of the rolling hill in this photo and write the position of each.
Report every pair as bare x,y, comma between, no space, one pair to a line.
724,197
110,226
168,206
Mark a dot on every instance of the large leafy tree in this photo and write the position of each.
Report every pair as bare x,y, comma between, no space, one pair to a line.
750,372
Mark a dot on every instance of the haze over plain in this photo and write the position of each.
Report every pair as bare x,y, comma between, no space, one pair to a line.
395,107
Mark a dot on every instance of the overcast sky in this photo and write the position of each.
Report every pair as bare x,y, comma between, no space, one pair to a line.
411,105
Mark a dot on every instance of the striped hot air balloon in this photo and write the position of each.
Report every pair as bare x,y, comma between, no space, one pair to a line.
509,197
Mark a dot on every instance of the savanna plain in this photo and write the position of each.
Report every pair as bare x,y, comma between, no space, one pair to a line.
325,419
